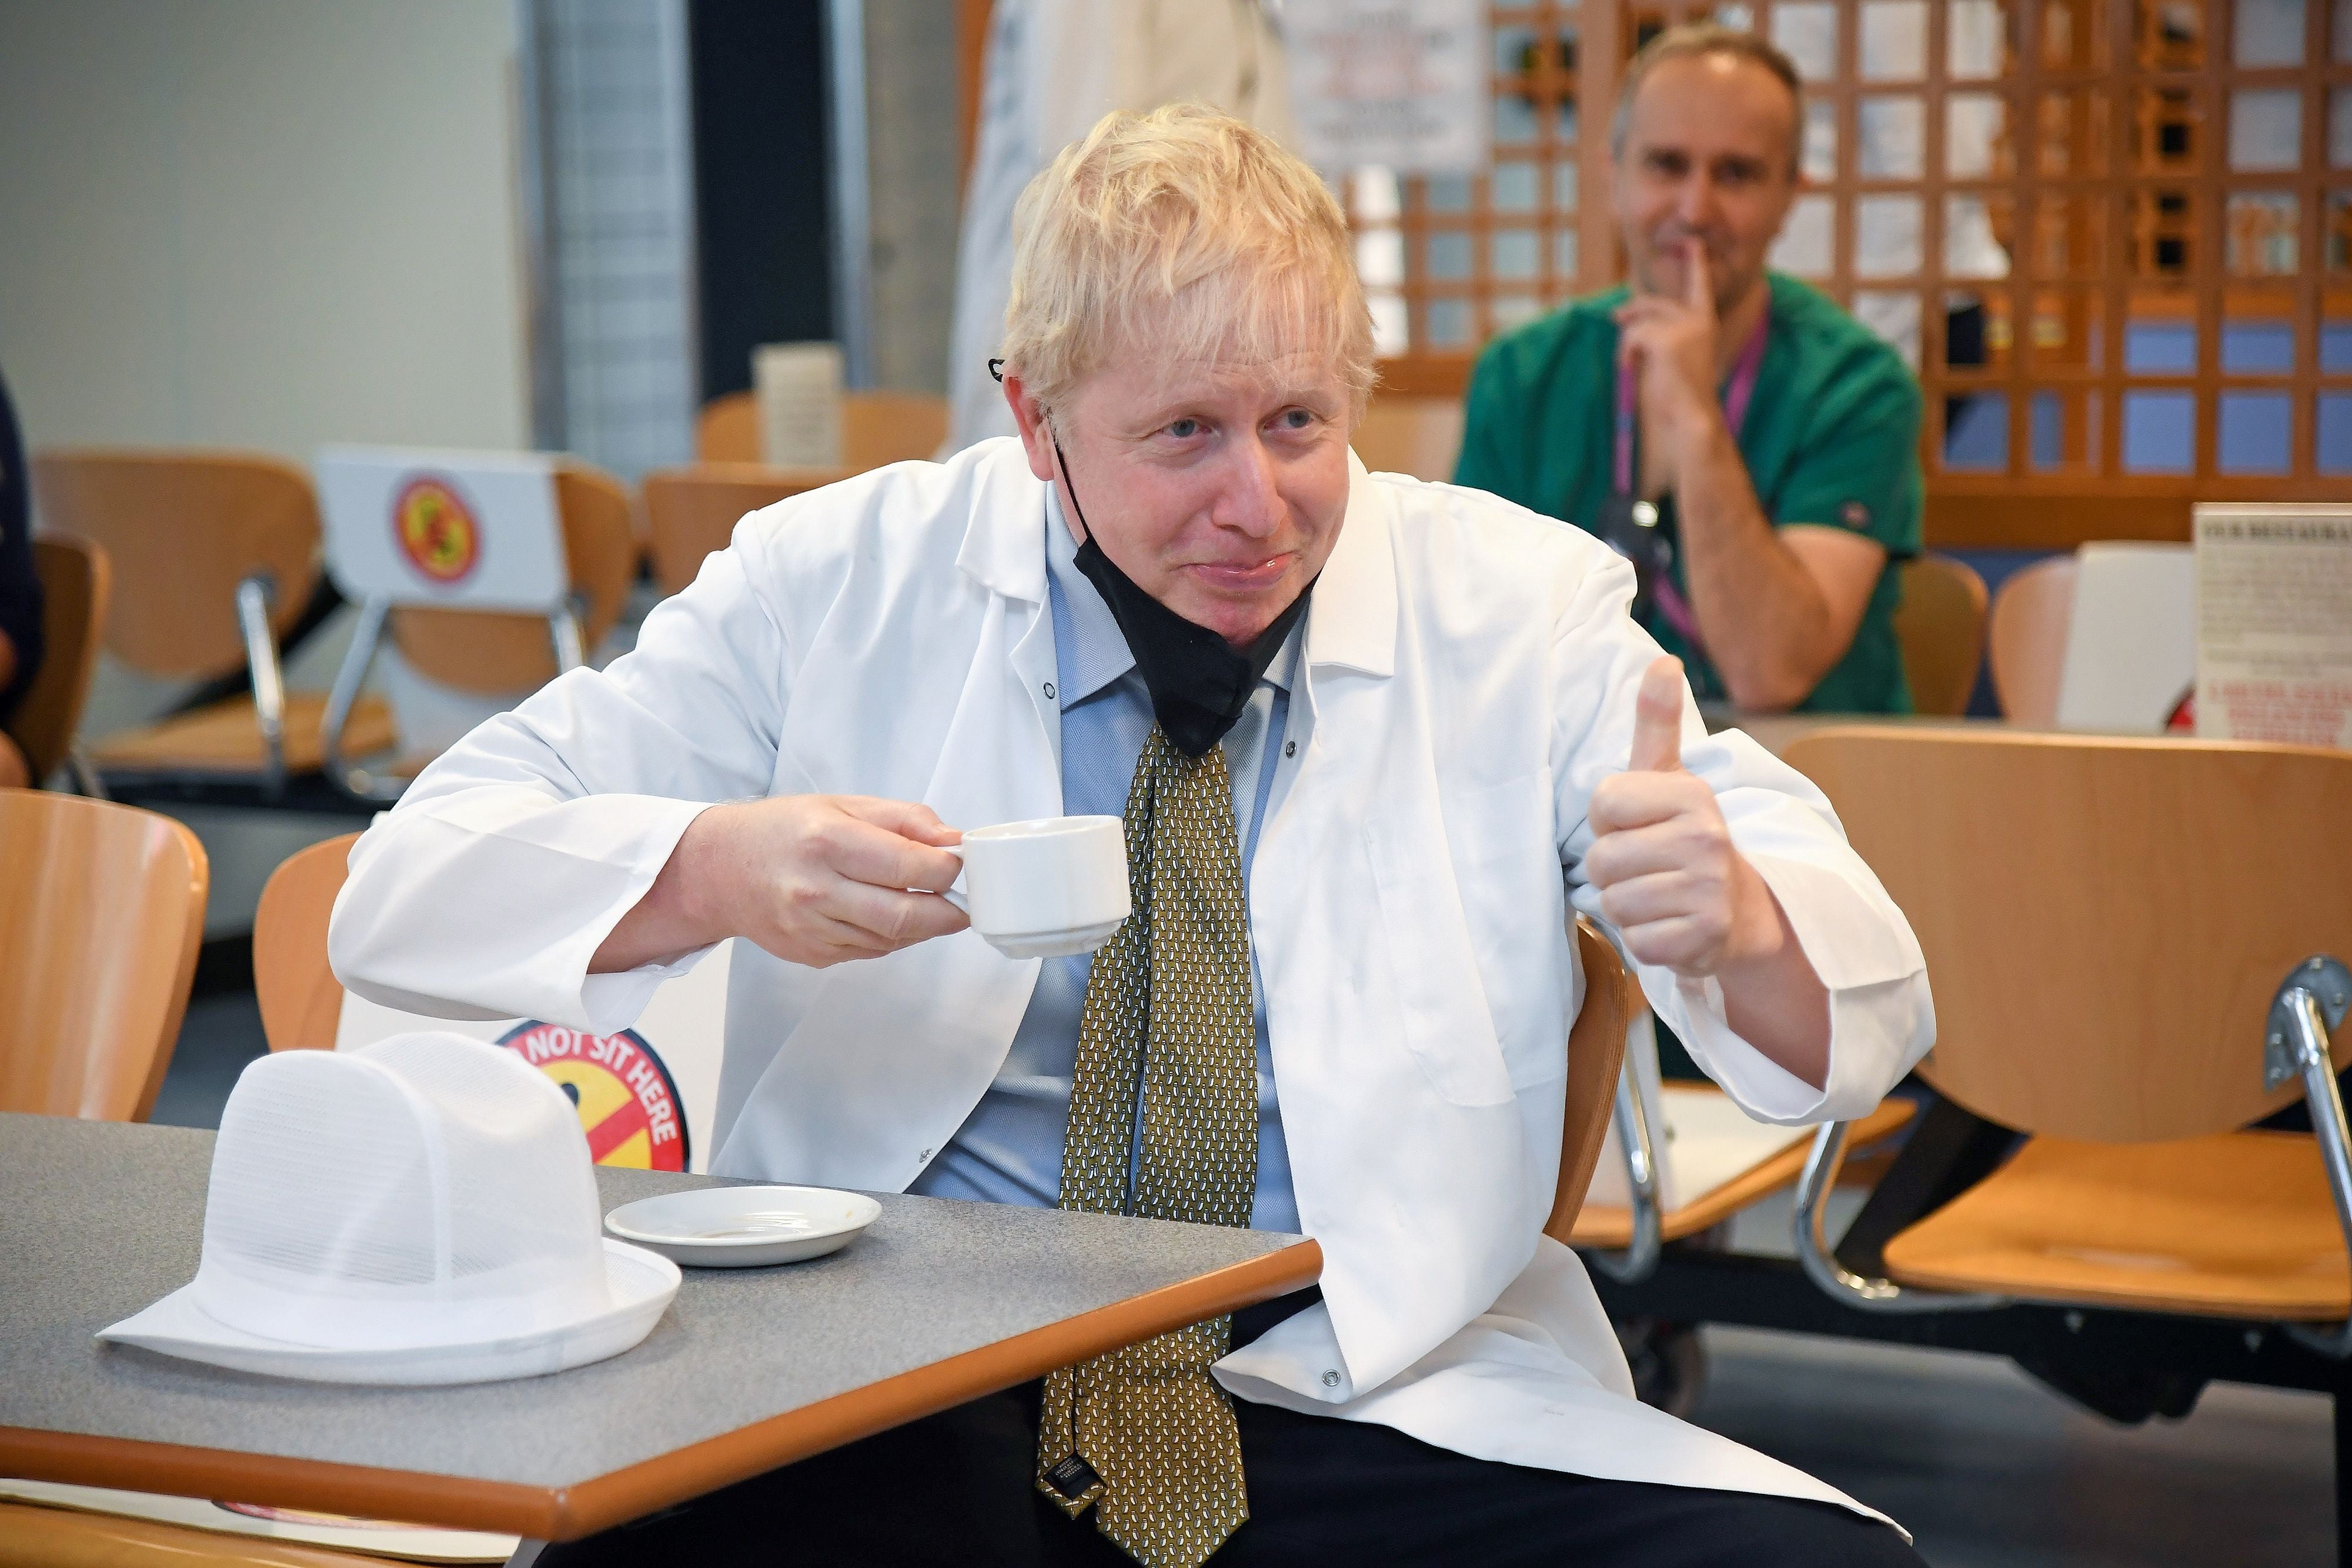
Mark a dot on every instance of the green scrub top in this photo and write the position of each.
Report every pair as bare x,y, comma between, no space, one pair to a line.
1832,439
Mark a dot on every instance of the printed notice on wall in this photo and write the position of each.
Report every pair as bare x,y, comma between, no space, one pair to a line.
2275,624
1399,83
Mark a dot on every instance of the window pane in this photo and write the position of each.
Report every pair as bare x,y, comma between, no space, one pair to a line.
1390,336
1974,123
2065,430
2076,131
1894,317
1446,256
2269,32
1563,255
2160,348
1515,120
1894,40
2167,126
1449,323
2262,234
1563,186
1380,258
2164,233
2266,130
1515,187
2065,332
2256,435
2159,433
1977,335
1516,310
1515,50
2070,236
1973,40
1807,33
1819,159
1449,193
1804,248
1890,138
2171,33
2258,348
2335,432
1375,196
1971,246
2075,35
2336,347
1975,434
1887,236
1515,254
2339,127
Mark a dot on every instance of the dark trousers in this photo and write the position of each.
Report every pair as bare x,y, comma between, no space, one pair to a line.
959,1488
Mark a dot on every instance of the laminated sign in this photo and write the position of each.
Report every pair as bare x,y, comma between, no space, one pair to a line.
1400,84
2274,622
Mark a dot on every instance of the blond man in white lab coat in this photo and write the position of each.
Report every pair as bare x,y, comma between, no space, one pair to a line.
1390,732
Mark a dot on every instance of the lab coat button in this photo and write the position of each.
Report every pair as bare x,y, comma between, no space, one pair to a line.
1049,688
925,1156
1331,1377
1290,748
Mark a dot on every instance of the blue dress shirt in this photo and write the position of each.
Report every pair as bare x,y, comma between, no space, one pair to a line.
1009,1150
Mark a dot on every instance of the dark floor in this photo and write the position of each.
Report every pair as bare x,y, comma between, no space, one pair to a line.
1984,1466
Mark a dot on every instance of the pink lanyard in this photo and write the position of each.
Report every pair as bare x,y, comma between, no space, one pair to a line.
1737,393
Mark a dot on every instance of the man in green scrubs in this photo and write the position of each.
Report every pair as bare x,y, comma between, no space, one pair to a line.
1774,438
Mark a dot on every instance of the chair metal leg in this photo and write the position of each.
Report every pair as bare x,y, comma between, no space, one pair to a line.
342,696
2309,1007
1640,1151
1821,1264
563,628
253,597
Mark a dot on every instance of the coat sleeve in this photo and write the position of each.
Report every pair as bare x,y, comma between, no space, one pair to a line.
1882,1017
487,889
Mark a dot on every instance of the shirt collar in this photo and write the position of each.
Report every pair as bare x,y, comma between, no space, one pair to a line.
1098,653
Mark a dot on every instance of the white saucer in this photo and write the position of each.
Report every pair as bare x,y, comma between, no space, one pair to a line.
744,1227
641,1285
1067,943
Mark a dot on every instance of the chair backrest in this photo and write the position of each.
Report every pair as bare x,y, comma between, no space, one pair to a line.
101,912
879,428
728,429
1596,1052
1940,625
1404,433
2030,615
182,529
2104,919
493,653
691,512
876,428
301,1000
76,582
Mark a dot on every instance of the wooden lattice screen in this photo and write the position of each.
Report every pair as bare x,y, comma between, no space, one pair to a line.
2114,236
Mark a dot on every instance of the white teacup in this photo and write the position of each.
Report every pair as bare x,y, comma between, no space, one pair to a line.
1045,888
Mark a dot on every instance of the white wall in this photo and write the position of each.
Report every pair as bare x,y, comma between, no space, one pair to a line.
265,224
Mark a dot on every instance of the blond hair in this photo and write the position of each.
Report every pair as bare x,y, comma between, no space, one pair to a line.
1182,232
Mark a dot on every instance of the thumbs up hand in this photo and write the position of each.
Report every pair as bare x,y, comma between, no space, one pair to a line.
1670,879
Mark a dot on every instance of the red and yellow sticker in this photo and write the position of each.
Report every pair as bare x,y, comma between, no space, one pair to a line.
626,1098
437,531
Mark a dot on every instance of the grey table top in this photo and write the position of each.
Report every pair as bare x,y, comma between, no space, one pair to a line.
98,1219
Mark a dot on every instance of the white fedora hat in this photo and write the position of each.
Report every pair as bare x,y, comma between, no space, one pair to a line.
420,1210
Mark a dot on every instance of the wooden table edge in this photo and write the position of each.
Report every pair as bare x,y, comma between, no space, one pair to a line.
567,1513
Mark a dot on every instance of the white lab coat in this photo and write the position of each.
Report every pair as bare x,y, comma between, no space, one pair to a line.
1054,68
1468,677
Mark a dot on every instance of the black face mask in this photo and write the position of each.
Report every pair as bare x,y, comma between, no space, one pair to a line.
1199,683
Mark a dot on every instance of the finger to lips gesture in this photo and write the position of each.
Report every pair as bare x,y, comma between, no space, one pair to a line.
820,879
1670,880
1670,344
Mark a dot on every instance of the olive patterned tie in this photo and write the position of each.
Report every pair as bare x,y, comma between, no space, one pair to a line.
1144,1435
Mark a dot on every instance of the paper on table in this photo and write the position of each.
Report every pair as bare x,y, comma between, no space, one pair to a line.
2275,624
377,1538
2131,647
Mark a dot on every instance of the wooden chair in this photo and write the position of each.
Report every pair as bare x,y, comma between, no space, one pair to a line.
76,582
878,428
692,512
2030,616
101,912
1404,433
490,653
301,1000
2107,923
1596,1052
1940,625
214,555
